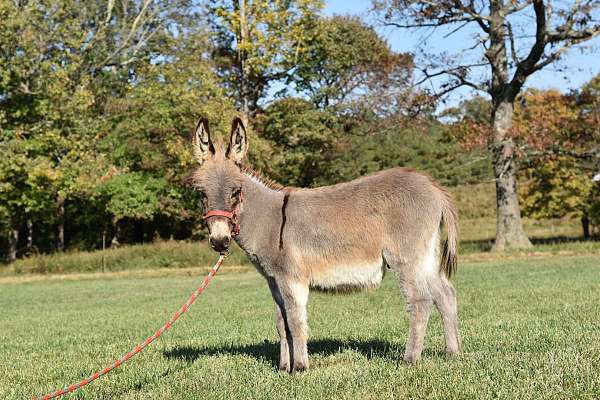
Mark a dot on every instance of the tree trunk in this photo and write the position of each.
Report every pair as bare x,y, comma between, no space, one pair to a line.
585,225
29,235
243,60
509,228
61,223
13,242
114,243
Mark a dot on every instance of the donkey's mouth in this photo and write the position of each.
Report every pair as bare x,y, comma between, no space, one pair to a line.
221,244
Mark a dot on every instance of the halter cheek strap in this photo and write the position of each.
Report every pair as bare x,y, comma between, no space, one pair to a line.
230,215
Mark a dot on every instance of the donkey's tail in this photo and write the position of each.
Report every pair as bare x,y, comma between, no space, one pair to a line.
450,219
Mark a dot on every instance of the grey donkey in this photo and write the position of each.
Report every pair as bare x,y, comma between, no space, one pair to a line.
336,237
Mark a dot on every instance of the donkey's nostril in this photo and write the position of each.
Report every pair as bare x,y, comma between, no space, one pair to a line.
219,243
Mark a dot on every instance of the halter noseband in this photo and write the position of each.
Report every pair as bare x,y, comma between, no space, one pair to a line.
230,215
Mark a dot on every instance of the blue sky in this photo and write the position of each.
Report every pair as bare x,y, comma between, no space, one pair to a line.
577,67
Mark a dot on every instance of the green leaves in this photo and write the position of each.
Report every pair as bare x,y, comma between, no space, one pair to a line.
348,65
300,140
96,102
257,43
132,195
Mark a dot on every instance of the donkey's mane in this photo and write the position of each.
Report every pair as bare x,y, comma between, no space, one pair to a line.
259,177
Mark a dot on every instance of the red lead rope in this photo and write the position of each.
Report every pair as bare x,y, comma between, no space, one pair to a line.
140,347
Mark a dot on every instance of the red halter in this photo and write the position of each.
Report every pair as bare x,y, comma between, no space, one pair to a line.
230,215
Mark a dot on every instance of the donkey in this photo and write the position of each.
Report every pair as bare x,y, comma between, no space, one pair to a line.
331,238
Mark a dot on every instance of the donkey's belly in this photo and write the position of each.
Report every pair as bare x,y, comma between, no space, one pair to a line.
347,277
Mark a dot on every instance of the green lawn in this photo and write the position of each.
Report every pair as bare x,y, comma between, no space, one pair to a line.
530,329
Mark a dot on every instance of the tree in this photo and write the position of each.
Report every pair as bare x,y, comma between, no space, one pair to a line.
556,141
369,146
513,49
55,56
149,126
64,66
300,143
559,137
348,64
257,43
25,190
558,187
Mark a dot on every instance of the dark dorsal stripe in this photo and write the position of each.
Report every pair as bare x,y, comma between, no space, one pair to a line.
286,196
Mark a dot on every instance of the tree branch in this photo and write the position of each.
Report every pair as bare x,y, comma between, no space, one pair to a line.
556,150
526,67
436,24
480,19
518,7
459,73
129,37
535,61
511,39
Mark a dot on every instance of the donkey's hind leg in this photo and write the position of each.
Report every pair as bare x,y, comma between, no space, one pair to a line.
419,309
444,297
418,302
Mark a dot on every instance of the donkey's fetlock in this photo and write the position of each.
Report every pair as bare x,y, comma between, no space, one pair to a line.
284,367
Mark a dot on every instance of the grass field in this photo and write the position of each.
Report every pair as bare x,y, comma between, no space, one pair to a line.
530,329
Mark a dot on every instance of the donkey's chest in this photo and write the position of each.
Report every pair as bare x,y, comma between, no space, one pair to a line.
263,265
347,276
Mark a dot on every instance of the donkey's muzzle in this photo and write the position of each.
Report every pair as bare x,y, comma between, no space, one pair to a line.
220,244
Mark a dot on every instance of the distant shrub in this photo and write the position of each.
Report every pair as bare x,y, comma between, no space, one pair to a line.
165,254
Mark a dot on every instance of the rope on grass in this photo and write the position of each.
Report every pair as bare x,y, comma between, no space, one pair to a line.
137,349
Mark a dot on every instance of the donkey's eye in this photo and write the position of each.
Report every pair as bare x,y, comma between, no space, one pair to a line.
236,194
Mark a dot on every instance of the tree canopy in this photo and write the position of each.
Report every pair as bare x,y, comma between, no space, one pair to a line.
98,100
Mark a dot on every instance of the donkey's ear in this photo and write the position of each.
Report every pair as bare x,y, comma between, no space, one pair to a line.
238,143
202,145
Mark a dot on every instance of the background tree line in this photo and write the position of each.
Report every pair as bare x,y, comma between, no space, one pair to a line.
97,100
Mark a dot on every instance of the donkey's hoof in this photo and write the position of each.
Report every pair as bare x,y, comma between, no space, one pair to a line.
299,367
284,367
451,353
411,359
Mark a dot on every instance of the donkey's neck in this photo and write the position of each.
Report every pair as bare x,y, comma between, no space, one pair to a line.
261,218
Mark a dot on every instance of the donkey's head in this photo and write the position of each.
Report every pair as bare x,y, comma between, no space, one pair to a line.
219,179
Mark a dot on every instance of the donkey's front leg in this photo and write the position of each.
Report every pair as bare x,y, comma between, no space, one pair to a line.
282,330
295,300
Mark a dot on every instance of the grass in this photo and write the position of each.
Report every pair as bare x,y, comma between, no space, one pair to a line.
475,201
530,329
165,254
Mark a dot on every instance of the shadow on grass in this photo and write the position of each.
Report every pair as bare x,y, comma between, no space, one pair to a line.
269,351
